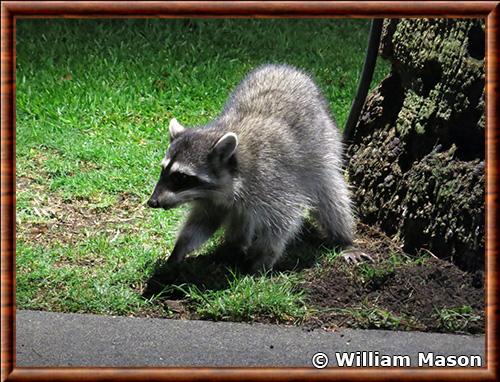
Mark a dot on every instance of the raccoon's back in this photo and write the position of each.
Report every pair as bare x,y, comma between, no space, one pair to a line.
281,108
280,91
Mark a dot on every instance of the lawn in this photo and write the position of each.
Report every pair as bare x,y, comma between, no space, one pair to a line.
93,100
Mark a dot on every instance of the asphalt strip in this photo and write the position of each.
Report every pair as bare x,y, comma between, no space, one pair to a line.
62,339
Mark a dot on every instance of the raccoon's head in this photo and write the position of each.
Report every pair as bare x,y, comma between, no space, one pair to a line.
199,164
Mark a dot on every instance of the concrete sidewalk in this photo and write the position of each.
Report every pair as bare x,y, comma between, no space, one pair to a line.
57,339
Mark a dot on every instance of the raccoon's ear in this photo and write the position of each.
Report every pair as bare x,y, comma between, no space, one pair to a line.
175,129
226,146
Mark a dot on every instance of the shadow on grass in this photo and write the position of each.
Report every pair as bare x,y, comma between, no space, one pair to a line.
215,270
202,271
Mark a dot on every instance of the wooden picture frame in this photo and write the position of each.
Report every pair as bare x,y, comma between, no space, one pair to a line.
12,10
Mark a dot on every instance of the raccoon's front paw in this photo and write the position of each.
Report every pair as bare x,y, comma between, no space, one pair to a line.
174,258
258,265
256,268
354,256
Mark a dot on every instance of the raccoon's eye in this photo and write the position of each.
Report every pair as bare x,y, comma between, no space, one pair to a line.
174,177
182,181
178,176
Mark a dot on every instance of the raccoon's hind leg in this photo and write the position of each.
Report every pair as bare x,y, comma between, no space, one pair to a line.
333,210
202,222
334,215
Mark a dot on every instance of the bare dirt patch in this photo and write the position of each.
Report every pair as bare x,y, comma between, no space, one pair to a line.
396,292
53,219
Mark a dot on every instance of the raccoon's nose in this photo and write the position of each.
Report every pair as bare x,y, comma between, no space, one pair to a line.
153,203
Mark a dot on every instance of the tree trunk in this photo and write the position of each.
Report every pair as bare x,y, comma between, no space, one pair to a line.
416,161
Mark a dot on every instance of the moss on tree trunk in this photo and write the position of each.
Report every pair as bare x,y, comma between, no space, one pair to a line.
416,161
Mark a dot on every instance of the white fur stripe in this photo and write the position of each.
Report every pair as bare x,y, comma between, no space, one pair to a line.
165,162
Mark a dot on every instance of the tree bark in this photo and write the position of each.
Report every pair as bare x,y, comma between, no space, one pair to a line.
416,159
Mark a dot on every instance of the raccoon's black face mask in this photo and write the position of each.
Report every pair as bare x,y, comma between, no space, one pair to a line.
196,166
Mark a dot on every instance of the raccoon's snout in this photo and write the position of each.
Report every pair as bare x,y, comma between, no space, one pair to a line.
153,203
164,199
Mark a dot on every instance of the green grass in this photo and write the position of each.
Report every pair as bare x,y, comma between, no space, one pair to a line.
95,276
373,317
456,319
377,273
250,297
94,99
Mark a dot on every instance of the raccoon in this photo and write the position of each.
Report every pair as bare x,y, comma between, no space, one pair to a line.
272,154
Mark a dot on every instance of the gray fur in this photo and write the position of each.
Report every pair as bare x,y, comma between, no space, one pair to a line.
284,157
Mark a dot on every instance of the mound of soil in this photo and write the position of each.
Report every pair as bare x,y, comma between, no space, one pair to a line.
396,292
